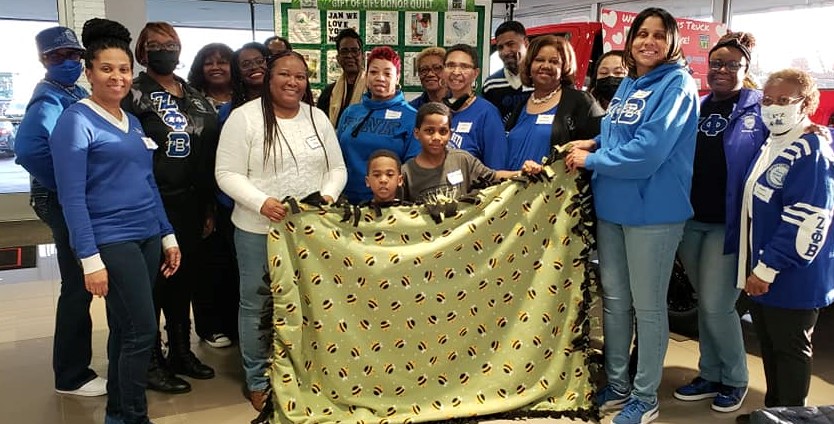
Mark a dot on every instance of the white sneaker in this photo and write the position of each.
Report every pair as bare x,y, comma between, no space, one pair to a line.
94,387
218,340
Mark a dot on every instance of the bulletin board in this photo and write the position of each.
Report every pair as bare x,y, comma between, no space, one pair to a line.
408,26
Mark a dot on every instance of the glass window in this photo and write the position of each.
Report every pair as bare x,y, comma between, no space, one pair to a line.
795,46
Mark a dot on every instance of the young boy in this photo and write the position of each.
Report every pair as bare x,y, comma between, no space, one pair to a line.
438,174
384,177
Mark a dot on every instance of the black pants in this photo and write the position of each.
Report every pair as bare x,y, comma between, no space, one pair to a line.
785,339
172,295
216,300
71,350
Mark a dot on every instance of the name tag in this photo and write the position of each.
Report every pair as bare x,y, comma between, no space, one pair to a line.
455,177
464,127
544,119
313,142
149,143
393,114
641,94
763,193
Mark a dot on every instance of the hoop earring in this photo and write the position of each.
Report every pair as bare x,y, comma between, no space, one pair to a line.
398,87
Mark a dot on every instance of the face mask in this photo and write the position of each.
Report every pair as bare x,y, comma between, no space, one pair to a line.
163,62
607,87
66,73
781,119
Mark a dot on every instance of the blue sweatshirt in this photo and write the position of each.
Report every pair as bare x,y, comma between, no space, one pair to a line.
790,229
105,180
642,168
369,126
743,137
49,99
478,129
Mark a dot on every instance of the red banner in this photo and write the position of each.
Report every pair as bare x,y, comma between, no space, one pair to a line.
697,37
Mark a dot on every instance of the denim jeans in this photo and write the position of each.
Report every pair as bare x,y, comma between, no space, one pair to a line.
713,275
635,265
72,345
255,297
131,270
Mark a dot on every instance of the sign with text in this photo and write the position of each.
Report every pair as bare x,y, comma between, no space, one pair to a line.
697,37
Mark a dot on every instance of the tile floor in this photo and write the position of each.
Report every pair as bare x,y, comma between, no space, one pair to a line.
27,306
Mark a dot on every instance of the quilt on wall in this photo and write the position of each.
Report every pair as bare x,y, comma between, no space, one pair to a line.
395,318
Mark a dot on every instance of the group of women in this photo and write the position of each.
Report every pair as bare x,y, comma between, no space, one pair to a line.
641,153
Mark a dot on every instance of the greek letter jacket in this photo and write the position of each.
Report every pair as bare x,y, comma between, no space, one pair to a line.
788,202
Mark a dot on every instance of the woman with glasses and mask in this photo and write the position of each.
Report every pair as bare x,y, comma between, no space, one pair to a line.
607,77
184,125
642,172
476,123
555,112
271,148
786,252
383,120
730,132
430,70
211,73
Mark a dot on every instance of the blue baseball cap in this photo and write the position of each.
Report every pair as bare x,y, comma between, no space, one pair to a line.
55,38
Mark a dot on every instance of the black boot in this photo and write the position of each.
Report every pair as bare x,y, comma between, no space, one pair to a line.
180,358
160,378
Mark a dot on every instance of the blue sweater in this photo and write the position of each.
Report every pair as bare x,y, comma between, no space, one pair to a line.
791,228
743,137
642,168
478,129
32,141
105,181
381,125
529,139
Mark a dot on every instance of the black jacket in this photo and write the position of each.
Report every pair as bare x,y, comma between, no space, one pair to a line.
185,129
577,117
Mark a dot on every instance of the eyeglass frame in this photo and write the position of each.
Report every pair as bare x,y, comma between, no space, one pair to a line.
153,46
782,101
436,69
56,58
250,64
349,51
716,65
451,66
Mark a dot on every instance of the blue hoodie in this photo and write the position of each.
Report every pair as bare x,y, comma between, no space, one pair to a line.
643,164
369,126
743,138
48,101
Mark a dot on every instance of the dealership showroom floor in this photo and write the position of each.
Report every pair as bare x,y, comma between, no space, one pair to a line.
27,314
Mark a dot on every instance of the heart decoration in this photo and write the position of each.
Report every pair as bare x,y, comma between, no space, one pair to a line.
609,18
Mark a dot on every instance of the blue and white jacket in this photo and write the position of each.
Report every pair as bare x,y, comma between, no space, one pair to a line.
743,137
788,203
642,168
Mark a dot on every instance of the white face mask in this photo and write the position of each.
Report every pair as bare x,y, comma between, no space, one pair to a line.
781,119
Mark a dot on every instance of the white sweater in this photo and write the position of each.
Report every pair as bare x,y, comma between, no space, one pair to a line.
296,167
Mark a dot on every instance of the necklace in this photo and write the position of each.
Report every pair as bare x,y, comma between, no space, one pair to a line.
545,98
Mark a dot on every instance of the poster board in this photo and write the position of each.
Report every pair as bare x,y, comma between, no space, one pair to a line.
408,26
697,38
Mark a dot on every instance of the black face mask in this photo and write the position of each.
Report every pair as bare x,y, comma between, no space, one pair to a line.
163,62
457,103
607,87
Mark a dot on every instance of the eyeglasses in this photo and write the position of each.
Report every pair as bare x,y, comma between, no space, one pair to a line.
451,66
57,58
248,65
155,47
733,66
782,101
349,51
424,70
